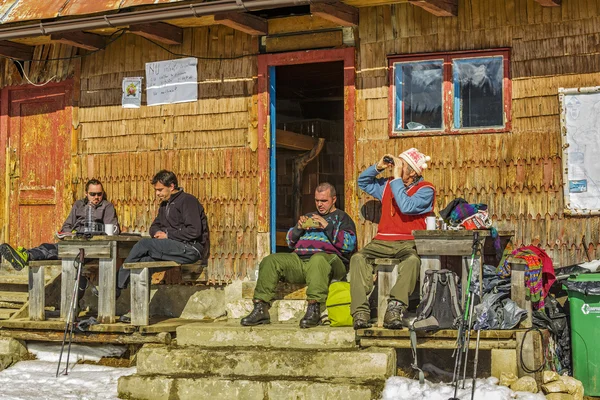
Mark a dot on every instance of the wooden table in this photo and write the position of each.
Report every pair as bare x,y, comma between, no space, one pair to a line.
435,243
107,249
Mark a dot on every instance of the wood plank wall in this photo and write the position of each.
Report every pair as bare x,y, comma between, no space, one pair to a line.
518,174
208,143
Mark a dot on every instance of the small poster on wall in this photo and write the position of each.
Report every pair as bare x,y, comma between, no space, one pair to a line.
132,92
172,81
580,128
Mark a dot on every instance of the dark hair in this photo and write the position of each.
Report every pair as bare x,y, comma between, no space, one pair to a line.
165,177
326,186
91,182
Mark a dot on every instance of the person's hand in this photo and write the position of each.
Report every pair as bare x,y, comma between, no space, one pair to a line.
322,222
382,164
301,221
398,166
160,235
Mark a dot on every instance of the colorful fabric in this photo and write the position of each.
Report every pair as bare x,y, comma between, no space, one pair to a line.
539,275
463,211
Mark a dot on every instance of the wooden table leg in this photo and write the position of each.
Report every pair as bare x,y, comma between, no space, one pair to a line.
140,296
107,287
69,274
428,262
37,298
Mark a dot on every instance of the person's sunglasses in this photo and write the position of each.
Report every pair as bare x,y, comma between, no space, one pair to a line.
95,194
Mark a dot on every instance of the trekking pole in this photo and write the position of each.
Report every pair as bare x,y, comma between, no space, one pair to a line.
467,344
71,315
460,342
478,332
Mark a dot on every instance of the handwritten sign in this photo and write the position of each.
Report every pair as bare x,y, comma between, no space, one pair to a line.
173,81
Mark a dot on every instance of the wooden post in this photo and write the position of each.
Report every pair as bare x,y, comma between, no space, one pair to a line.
140,295
387,274
37,298
107,276
427,263
530,346
518,292
68,276
503,360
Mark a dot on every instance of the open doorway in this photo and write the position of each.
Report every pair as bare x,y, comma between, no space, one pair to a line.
309,145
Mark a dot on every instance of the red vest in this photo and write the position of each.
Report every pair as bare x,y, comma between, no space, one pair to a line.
393,224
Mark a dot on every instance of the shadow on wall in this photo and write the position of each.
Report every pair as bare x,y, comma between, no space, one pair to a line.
371,211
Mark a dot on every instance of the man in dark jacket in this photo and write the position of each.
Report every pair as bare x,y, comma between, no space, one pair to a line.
102,212
179,233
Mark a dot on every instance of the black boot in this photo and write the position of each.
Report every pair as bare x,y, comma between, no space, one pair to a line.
259,315
361,320
393,315
312,316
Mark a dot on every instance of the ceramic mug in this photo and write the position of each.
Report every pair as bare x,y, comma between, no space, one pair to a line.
430,222
110,229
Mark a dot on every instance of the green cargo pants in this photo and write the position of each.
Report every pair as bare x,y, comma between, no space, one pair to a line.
317,272
362,269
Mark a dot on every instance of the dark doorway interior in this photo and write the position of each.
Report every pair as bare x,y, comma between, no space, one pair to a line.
309,107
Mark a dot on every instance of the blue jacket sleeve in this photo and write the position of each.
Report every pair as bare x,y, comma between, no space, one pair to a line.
419,203
368,182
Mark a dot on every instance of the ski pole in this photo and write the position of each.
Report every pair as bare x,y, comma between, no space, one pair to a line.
478,333
71,315
468,342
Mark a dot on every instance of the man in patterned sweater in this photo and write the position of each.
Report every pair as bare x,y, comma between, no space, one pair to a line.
406,199
323,243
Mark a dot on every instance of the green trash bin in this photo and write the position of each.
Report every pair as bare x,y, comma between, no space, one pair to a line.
584,300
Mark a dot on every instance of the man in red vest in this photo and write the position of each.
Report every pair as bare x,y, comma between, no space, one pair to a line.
406,199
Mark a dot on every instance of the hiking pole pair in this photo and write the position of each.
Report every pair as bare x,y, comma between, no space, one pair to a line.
465,326
71,315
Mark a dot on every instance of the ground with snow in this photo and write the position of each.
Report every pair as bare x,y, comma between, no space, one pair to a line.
36,380
397,388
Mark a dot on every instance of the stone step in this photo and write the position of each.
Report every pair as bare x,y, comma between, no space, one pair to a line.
176,388
281,310
373,364
232,334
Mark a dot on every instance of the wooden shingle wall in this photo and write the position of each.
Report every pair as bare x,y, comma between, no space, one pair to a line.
518,174
208,143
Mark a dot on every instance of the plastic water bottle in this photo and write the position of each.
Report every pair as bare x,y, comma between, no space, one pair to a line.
89,217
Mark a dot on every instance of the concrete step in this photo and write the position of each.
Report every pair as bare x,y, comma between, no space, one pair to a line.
283,336
175,388
373,364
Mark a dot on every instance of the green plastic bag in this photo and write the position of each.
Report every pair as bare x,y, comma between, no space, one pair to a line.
338,304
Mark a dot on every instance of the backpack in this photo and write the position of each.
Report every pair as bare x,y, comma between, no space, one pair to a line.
338,304
440,307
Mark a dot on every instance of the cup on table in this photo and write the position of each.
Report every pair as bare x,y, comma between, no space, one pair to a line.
430,222
110,229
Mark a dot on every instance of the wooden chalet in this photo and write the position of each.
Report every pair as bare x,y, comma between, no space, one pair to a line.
290,94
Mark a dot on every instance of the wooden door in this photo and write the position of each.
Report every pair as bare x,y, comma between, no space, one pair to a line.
39,132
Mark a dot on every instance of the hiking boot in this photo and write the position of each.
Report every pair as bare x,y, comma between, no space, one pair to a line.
17,258
312,316
361,320
393,315
259,315
125,318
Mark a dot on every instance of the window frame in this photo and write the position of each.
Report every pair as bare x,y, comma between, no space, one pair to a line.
448,105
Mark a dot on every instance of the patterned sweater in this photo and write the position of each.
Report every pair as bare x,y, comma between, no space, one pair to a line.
339,237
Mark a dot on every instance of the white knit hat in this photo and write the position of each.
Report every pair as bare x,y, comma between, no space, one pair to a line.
416,159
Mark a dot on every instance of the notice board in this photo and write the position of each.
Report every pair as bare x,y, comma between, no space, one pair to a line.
172,81
580,132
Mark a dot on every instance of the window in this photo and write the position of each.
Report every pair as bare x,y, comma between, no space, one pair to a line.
450,93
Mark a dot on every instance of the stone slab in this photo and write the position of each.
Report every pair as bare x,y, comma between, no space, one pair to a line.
285,336
371,364
163,387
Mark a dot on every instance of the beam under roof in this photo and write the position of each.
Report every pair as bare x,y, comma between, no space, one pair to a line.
340,13
16,50
159,31
248,23
84,40
549,3
441,8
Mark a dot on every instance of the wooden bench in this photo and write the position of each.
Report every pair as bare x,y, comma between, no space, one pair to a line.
37,288
140,286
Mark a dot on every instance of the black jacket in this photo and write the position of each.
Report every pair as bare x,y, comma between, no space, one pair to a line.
183,219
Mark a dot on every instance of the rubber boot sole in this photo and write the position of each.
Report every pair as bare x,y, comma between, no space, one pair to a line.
12,257
261,322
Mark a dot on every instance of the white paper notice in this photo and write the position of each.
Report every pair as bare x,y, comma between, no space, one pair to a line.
173,81
132,92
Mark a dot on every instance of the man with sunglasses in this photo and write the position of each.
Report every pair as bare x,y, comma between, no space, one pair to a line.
102,212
